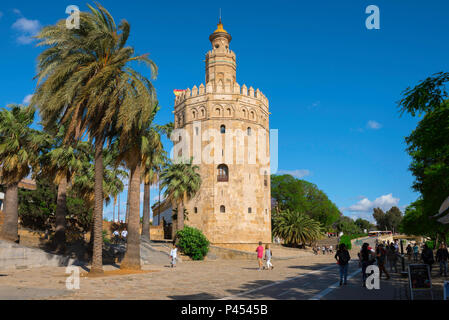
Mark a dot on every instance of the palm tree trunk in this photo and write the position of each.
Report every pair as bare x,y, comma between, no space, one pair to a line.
159,207
146,212
127,203
181,212
10,230
132,255
173,225
113,210
61,211
97,256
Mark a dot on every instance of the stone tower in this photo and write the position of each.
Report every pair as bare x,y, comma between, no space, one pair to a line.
225,128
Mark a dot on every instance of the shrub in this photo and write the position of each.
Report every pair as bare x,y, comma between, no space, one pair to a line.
430,244
347,241
192,243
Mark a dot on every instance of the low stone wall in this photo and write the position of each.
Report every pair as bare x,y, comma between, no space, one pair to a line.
14,256
248,247
230,254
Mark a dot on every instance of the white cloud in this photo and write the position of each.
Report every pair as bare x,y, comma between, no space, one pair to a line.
300,173
374,125
17,11
27,99
27,29
314,105
384,202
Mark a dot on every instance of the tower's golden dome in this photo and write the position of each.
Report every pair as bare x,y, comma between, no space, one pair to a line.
220,32
220,27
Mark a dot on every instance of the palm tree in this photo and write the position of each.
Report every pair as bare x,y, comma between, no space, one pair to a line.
155,156
135,148
296,228
84,185
181,182
19,151
62,163
85,83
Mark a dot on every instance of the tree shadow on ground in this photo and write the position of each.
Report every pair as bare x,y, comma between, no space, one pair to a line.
197,296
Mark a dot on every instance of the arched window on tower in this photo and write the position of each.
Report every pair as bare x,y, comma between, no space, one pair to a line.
222,209
248,131
223,173
265,180
223,129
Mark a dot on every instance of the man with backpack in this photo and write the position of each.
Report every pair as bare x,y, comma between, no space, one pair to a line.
427,257
381,255
342,256
365,259
442,257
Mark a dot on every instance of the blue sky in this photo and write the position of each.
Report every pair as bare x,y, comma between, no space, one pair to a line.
332,83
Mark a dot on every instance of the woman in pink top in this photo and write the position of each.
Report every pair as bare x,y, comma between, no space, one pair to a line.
259,251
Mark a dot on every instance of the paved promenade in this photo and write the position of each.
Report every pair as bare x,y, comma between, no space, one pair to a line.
311,277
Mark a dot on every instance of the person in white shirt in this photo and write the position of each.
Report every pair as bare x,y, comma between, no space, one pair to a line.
124,235
116,235
173,256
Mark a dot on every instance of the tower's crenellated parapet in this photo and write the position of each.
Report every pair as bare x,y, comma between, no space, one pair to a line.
221,88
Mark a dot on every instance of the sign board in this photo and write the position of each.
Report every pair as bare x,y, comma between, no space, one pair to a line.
419,278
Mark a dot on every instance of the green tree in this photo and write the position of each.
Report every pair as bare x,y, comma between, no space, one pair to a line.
364,224
379,216
19,151
393,218
428,147
347,226
181,182
416,222
297,229
154,157
85,82
37,209
62,163
303,197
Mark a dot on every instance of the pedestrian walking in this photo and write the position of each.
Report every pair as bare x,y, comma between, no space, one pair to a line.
124,235
427,257
116,235
259,251
331,249
415,252
365,259
442,256
268,257
342,256
392,258
173,255
318,249
324,249
409,252
381,256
